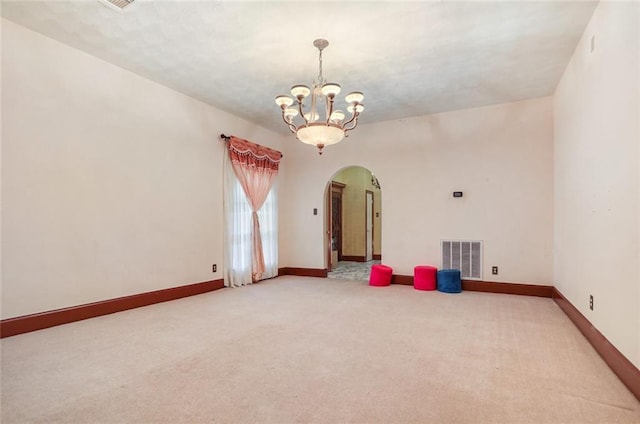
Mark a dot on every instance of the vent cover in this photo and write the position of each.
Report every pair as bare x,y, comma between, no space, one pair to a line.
117,4
465,255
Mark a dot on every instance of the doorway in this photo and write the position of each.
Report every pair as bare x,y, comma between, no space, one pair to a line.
353,222
369,225
335,223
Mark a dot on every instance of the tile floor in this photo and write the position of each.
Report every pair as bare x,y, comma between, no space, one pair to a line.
346,270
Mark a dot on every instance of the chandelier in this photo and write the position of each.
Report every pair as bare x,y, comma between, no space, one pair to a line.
308,127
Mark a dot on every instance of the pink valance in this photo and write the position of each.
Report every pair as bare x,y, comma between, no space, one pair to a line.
253,155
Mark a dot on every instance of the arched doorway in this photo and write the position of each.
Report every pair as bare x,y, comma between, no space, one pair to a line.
353,224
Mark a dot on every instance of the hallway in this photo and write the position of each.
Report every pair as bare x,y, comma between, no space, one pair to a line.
347,270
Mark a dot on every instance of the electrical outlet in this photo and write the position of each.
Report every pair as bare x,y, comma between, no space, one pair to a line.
494,270
591,302
214,268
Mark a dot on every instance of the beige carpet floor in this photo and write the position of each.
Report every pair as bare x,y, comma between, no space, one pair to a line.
315,350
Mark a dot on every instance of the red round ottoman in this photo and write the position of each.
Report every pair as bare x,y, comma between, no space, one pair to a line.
424,277
380,275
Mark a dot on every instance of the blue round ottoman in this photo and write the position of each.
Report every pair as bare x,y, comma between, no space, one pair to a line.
449,281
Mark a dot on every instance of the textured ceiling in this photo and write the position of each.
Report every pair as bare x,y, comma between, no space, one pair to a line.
409,58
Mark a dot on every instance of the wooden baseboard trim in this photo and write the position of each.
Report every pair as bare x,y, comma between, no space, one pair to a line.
488,286
377,257
507,288
303,272
628,373
354,258
24,324
406,280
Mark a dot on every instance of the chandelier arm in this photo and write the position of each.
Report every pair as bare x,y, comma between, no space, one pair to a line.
346,131
292,127
306,121
354,119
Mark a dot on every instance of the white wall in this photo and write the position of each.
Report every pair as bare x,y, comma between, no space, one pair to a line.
597,176
111,183
499,156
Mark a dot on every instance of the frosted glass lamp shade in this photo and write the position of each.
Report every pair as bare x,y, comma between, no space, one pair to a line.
330,89
355,97
320,134
290,112
337,116
300,90
359,108
285,101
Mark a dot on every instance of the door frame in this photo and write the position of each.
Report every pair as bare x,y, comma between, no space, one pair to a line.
373,225
334,187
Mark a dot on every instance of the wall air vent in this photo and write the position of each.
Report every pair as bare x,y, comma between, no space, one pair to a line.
116,4
465,255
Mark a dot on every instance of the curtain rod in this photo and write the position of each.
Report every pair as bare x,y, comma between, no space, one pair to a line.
228,137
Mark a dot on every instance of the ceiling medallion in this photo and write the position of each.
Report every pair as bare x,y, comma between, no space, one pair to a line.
308,127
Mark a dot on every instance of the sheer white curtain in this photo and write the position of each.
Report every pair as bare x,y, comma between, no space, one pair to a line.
269,229
239,231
